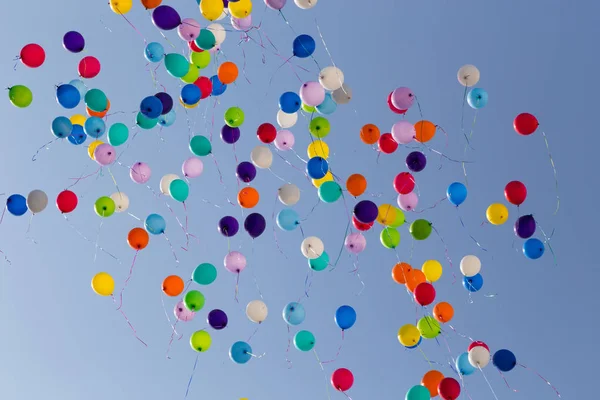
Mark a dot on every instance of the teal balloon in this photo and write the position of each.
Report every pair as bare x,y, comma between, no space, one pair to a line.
96,100
200,146
177,65
118,134
304,341
330,192
62,127
287,219
144,122
204,274
319,263
179,190
206,39
420,229
418,392
94,127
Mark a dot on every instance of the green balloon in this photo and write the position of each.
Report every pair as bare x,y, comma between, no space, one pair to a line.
399,220
192,74
104,206
96,100
429,327
145,122
200,341
201,60
20,96
304,340
420,229
194,300
319,263
179,190
200,146
206,39
118,134
177,65
330,192
234,117
204,274
418,392
308,109
390,238
319,127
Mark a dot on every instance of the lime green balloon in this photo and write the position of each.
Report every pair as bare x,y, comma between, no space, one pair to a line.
96,100
20,96
191,75
308,109
390,237
104,206
429,327
304,340
420,229
200,341
319,263
145,122
206,39
177,65
179,190
319,127
118,134
234,117
204,274
201,60
399,220
200,146
194,300
330,192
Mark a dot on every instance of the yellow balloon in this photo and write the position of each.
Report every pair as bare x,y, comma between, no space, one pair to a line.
497,214
188,106
409,335
327,178
92,148
211,9
318,148
121,6
240,9
387,214
78,119
432,270
103,284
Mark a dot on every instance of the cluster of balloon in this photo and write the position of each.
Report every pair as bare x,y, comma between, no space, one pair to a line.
434,384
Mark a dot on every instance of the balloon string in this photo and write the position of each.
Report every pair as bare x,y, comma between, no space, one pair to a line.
88,240
3,212
254,275
311,211
488,382
237,288
289,345
244,66
274,231
425,357
5,257
98,238
278,177
127,280
419,106
187,390
253,334
461,335
471,236
505,381
291,165
542,378
128,322
255,355
298,156
341,248
221,178
462,114
173,327
113,179
337,354
357,274
45,146
431,207
133,26
554,170
446,253
547,242
82,177
172,249
324,374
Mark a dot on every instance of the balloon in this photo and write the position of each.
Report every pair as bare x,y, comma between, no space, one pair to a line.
525,124
398,220
179,190
165,183
288,219
387,144
369,134
78,119
320,263
242,24
293,313
155,224
356,184
473,283
424,293
468,75
37,200
32,55
416,161
392,107
400,272
424,131
403,132
248,197
230,135
173,285
206,39
68,96
89,67
189,29
103,284
449,389
182,313
342,379
257,311
286,120
234,262
94,127
345,317
389,238
420,229
176,64
408,335
304,340
255,224
328,106
192,167
80,86
463,366
504,360
165,18
190,94
204,274
240,352
220,34
138,239
218,88
96,100
266,133
479,357
319,127
217,319
16,204
327,178
497,214
418,392
432,270
99,114
312,94
305,4
154,52
515,192
303,46
533,248
525,226
470,265
104,206
456,193
140,172
477,343
312,247
211,9
246,171
275,4
477,98
20,96
74,42
145,122
92,149
318,148
331,78
443,312
429,327
355,243
317,167
121,6
228,226
403,98
284,140
240,9
408,202
386,214
167,119
361,226
200,341
330,192
234,117
66,201
261,157
150,4
205,86
121,201
200,146
192,75
404,183
366,211
194,300
61,127
342,95
77,136
414,278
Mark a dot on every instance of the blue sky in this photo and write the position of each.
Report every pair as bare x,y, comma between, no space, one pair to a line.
61,340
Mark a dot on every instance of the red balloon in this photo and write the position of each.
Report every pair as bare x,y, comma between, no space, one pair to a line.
205,86
449,389
194,47
360,225
387,144
515,192
32,55
525,124
342,379
478,344
89,67
66,201
393,107
404,183
424,293
266,133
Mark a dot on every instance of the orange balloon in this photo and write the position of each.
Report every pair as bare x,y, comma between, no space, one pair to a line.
150,4
443,312
101,114
173,285
248,197
356,184
227,72
138,239
431,380
425,131
400,272
369,134
413,279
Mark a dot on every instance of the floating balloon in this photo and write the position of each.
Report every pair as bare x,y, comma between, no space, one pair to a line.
356,184
515,192
246,171
189,29
92,148
68,96
403,98
305,4
288,219
443,312
424,293
74,42
477,98
255,224
431,381
449,389
32,55
217,319
182,313
331,78
504,360
303,46
284,140
304,341
104,206
234,117
220,34
403,132
66,201
319,127
242,24
424,131
140,172
121,201
206,39
361,226
477,343
456,193
470,265
165,18
121,6
211,9
266,133
234,262
429,327
463,366
20,96
176,64
16,204
479,357
154,52
144,122
190,94
103,284
418,392
204,274
414,278
345,317
389,238
497,214
468,75
404,183
399,219
330,192
392,107
416,161
257,311
400,272
230,135
138,239
173,285
194,300
228,226
342,379
533,248
369,134
312,93
248,197
473,283
96,100
89,67
77,135
95,127
409,335
317,167
312,247
293,313
275,4
61,127
289,102
420,229
366,211
218,88
320,263
525,124
328,106
150,4
525,226
192,167
355,243
240,9
432,270
387,144
155,224
165,183
240,352
200,146
262,157
37,200
179,190
200,341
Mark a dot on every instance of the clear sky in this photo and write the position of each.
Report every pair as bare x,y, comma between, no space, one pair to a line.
60,340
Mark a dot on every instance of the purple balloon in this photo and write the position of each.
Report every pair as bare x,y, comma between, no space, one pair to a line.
165,18
408,202
416,161
217,319
226,3
234,262
166,100
312,93
182,313
366,211
355,243
403,98
275,4
192,167
255,224
189,29
246,171
230,135
105,154
74,42
242,24
228,226
525,226
140,172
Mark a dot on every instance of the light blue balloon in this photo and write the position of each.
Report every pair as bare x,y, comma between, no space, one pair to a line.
62,127
477,98
94,127
154,52
287,219
240,352
294,313
456,193
463,366
168,119
473,283
80,86
155,224
533,248
328,106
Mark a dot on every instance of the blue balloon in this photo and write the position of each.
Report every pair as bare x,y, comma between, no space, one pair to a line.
240,352
154,52
155,224
62,127
294,313
77,135
16,205
218,88
151,107
345,317
533,248
168,119
94,127
68,96
473,283
287,219
290,102
416,345
456,193
477,98
504,360
304,46
463,366
317,167
190,94
80,86
328,106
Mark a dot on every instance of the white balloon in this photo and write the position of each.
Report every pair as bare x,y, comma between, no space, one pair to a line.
257,311
312,247
121,201
37,200
305,4
289,194
470,265
286,120
468,75
165,183
331,78
342,95
219,31
261,157
479,357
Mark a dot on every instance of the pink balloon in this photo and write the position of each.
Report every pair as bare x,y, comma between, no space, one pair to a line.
105,154
408,202
189,29
284,140
355,243
403,132
192,167
140,172
242,24
235,262
312,93
403,98
214,49
275,4
182,313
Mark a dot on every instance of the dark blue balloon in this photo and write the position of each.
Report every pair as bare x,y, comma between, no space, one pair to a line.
317,167
74,42
525,226
304,46
16,205
345,317
456,193
228,226
246,171
190,94
151,107
504,360
62,127
166,100
94,127
255,224
77,135
473,283
290,102
366,211
230,135
533,248
416,161
68,96
217,319
218,88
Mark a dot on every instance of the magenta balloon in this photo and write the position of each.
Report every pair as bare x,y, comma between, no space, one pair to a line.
189,29
105,154
284,140
275,4
182,313
140,172
235,262
312,93
403,98
192,167
242,24
403,132
355,243
408,202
